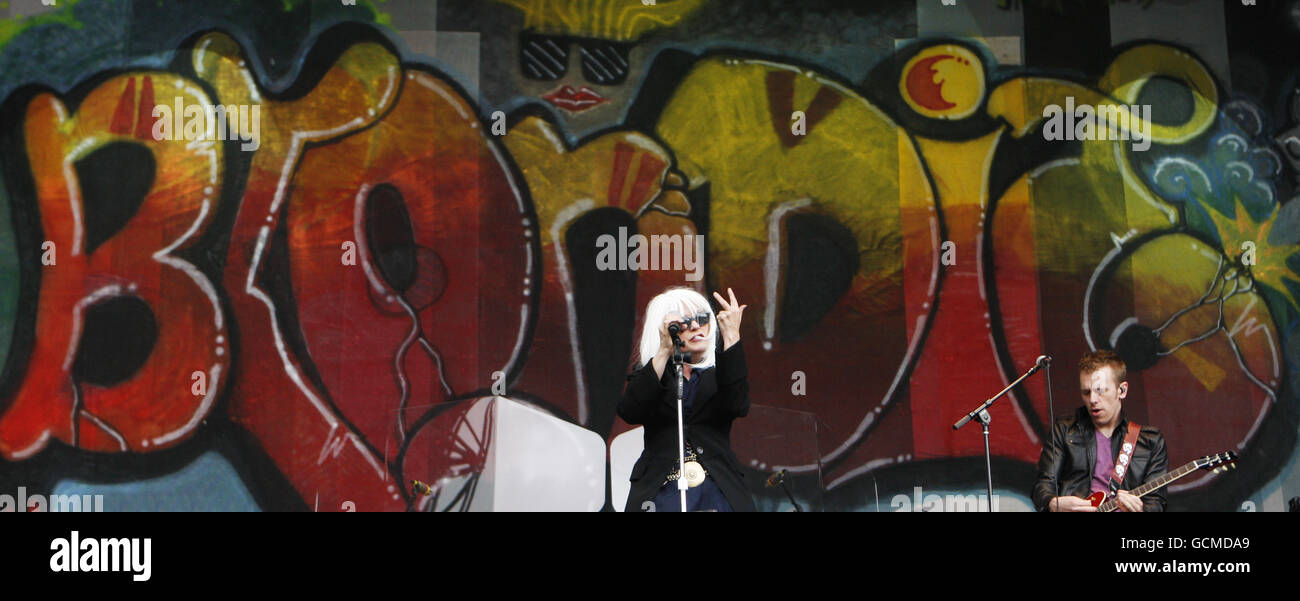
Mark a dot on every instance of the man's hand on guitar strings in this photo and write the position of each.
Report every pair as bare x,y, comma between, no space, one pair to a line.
1128,502
1072,504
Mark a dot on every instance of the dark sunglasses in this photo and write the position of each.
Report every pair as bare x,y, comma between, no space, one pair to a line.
546,58
701,318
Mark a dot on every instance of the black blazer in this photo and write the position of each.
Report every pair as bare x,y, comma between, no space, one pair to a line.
1071,456
721,397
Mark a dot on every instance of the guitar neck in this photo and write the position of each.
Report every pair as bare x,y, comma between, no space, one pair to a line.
1152,486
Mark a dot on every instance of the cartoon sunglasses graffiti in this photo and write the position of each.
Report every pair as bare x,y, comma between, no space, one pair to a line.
546,58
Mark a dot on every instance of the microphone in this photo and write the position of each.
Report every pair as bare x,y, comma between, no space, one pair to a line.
1040,363
420,488
776,479
674,329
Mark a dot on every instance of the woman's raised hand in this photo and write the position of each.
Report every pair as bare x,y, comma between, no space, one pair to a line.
729,318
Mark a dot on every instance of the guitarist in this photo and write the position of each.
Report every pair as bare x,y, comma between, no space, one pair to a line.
1071,467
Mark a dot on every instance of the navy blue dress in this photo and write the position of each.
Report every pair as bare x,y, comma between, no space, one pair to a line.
705,497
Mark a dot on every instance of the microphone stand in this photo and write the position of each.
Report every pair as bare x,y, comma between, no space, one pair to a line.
981,414
797,508
679,356
1051,431
779,478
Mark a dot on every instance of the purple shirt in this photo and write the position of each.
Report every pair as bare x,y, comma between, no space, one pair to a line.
1105,465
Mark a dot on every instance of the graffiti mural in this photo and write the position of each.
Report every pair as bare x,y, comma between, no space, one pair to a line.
324,256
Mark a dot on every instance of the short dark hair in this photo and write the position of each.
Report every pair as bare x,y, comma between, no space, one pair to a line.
1104,358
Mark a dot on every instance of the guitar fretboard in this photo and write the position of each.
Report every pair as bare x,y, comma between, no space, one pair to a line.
1152,486
1164,480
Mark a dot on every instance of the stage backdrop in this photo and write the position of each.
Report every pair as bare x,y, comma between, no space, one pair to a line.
299,254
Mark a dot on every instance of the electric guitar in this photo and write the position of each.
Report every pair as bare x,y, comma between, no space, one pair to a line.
1223,461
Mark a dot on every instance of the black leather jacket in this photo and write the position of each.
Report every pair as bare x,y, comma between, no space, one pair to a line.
1071,456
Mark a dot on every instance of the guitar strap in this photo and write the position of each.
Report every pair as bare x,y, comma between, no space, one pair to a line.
1125,455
